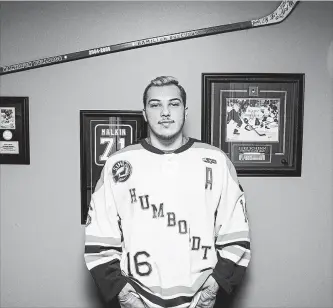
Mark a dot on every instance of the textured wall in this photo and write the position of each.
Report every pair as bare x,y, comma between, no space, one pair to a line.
41,236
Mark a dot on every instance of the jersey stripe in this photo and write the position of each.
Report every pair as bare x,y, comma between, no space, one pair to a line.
159,301
244,244
176,291
234,236
234,256
104,240
93,261
98,249
241,252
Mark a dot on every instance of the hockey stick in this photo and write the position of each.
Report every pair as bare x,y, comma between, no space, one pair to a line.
277,16
250,127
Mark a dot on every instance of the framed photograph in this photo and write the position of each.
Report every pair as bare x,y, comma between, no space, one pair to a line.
256,119
103,132
14,130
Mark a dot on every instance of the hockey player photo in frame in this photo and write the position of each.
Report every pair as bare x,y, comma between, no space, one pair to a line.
256,119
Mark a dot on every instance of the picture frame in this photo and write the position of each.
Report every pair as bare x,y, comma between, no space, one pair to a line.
102,133
256,119
14,130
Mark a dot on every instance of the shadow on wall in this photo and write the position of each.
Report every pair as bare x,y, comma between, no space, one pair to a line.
91,292
234,300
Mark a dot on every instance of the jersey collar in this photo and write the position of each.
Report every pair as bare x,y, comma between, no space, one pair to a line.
152,149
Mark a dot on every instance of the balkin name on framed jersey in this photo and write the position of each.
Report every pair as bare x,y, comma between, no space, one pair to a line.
102,133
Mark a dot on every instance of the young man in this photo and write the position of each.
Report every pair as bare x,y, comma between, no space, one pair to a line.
168,221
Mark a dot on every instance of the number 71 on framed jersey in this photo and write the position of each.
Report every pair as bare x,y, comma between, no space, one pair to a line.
103,132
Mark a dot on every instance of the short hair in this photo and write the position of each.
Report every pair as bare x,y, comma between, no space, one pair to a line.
164,81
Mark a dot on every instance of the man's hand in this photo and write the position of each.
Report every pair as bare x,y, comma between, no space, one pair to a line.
128,298
208,295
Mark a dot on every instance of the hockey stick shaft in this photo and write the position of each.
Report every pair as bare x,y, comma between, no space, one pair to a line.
252,128
275,17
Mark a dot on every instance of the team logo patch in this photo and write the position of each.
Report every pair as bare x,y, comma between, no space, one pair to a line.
209,160
121,171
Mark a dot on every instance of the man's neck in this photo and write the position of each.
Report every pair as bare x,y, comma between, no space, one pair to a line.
167,145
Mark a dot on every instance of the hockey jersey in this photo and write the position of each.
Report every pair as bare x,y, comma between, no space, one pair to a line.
166,222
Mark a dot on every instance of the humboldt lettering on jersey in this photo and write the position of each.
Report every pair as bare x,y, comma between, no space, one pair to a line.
171,221
160,211
144,205
195,243
121,171
133,195
113,132
206,248
209,160
182,225
209,178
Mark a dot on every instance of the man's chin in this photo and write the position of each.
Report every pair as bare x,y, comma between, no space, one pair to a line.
166,136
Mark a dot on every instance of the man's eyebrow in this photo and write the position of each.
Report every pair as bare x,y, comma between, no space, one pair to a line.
154,100
158,100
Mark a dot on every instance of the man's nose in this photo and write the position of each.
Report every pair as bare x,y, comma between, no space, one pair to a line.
165,111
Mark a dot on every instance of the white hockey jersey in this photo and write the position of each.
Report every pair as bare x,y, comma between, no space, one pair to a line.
166,222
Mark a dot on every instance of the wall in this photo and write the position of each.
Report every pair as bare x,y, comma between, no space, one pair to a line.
41,236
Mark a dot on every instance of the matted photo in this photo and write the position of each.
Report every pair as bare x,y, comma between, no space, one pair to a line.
14,130
103,132
252,119
7,118
256,119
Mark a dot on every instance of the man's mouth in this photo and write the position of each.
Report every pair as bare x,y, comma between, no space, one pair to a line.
166,122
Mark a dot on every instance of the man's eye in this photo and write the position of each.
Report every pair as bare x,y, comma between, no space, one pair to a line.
153,105
175,104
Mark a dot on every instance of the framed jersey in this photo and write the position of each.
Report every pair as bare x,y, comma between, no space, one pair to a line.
256,119
103,132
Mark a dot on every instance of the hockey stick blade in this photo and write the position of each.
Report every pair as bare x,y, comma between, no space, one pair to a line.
277,16
250,127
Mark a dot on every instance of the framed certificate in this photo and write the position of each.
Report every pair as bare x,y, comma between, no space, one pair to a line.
256,119
14,130
103,132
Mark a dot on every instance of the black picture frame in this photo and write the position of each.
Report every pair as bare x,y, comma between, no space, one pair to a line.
107,126
14,130
256,119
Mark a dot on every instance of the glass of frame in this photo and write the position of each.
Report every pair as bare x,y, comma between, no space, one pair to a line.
256,119
14,130
102,133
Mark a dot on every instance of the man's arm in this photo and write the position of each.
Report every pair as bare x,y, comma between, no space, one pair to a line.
232,234
103,241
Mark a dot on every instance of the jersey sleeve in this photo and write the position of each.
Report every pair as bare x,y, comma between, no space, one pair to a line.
232,238
103,239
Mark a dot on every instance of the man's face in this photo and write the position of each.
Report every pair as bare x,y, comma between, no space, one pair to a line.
165,111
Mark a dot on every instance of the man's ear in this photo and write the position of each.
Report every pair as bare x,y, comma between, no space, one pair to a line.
186,113
144,114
